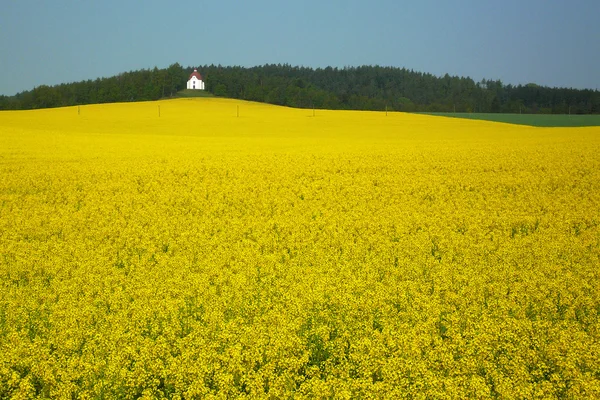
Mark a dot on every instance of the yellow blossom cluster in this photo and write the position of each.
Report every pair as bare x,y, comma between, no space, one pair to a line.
227,249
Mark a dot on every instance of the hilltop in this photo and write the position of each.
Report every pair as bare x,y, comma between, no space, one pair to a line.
355,88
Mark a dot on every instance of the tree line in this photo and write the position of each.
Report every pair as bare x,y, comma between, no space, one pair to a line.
355,88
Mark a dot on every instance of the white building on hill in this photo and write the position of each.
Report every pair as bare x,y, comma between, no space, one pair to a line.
195,81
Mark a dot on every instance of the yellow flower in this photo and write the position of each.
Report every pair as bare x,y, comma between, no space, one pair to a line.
348,255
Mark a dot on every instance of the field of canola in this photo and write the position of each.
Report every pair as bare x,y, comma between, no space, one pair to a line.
200,255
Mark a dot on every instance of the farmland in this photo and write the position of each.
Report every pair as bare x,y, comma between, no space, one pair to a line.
541,120
281,253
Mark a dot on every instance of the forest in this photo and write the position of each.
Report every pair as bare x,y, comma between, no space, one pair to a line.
353,88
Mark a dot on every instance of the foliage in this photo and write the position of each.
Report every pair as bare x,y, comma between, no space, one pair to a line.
357,88
278,255
129,86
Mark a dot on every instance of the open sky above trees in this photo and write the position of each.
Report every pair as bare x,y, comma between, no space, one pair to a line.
552,43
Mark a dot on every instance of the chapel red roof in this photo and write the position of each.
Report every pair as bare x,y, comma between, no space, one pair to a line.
196,74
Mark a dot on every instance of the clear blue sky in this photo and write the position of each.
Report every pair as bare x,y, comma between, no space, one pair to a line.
549,42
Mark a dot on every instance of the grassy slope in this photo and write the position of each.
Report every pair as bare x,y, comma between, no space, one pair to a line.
547,120
193,93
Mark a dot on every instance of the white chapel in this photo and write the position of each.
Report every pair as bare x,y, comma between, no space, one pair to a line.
195,81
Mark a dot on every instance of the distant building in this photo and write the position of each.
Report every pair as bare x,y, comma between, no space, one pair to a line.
195,81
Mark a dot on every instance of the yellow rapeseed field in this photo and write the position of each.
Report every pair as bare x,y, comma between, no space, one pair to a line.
198,254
